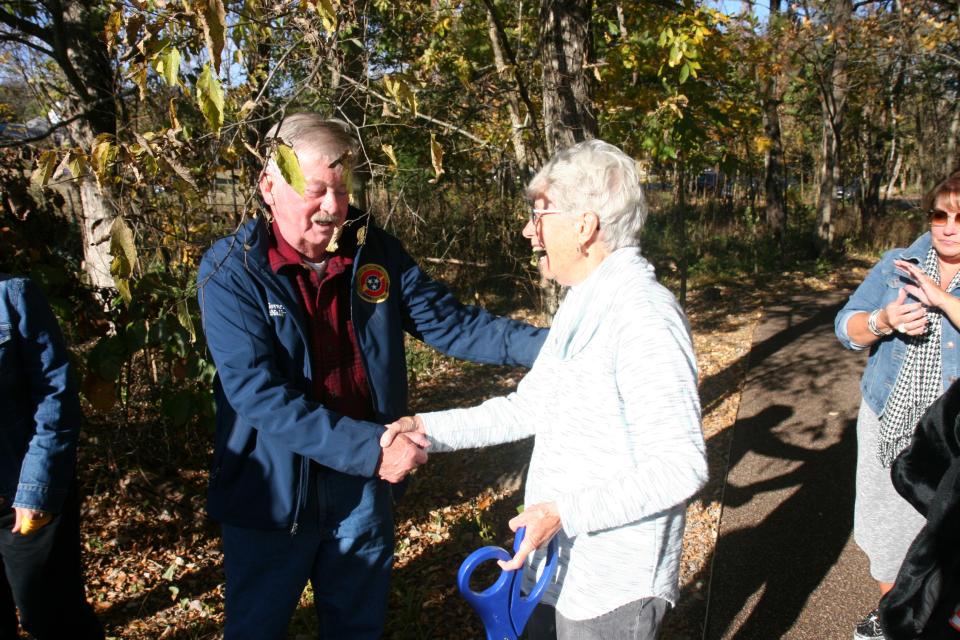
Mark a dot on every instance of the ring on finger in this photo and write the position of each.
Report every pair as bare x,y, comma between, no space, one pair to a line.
902,328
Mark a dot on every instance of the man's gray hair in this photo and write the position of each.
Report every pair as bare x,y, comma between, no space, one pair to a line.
595,176
311,132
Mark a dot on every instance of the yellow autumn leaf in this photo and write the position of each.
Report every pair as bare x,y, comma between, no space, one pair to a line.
213,19
762,143
436,157
328,14
44,169
289,165
388,149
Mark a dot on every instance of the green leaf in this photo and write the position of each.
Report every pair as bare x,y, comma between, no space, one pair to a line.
210,98
170,572
179,406
684,73
124,253
107,358
675,55
171,66
286,159
186,319
77,163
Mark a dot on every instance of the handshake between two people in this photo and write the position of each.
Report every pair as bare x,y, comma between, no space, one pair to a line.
403,449
404,446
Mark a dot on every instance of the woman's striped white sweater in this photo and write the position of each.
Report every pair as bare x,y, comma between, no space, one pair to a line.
612,400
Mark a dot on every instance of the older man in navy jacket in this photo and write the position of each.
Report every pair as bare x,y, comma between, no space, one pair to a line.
305,316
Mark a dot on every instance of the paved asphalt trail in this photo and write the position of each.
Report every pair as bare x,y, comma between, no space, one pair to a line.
786,565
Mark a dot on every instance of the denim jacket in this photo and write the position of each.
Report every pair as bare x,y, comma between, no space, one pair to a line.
880,288
38,400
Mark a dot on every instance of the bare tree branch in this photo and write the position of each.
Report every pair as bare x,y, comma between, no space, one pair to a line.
446,125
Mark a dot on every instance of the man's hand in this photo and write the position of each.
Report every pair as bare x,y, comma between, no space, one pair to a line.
411,425
29,521
542,522
400,457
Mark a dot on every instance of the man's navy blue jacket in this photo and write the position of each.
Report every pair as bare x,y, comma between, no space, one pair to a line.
268,428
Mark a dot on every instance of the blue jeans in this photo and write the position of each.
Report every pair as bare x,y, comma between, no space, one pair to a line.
268,570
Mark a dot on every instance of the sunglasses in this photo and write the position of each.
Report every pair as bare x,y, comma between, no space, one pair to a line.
939,217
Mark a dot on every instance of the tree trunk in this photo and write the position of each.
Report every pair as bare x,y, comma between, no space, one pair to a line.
568,113
97,218
81,53
950,156
833,96
681,226
505,60
774,182
829,162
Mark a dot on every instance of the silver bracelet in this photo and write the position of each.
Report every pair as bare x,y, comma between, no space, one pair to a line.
872,324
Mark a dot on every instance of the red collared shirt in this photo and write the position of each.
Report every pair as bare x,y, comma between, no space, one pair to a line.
339,380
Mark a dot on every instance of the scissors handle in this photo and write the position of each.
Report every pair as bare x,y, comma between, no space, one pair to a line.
502,607
522,606
493,603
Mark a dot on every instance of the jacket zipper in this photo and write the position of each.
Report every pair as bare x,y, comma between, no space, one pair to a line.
356,330
302,492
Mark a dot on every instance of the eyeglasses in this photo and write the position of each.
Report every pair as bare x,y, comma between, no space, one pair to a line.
536,214
939,217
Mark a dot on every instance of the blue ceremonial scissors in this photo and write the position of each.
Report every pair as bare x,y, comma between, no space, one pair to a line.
501,606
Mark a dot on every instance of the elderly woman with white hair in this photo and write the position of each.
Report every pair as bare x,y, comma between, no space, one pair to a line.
612,402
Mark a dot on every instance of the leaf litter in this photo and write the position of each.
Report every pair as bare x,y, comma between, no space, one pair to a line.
152,557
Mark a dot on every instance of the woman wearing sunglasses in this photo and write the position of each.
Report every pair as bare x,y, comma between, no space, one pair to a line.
907,313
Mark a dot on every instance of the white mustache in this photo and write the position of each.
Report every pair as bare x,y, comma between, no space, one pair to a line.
320,218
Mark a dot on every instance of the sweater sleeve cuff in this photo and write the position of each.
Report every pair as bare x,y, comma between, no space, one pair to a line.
434,426
566,507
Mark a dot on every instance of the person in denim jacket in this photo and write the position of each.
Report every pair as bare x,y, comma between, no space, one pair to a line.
39,509
906,312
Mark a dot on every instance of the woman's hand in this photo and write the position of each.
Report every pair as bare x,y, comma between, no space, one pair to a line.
926,290
542,522
411,425
27,521
929,292
905,317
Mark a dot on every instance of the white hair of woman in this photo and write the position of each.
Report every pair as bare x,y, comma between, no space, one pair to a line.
598,177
